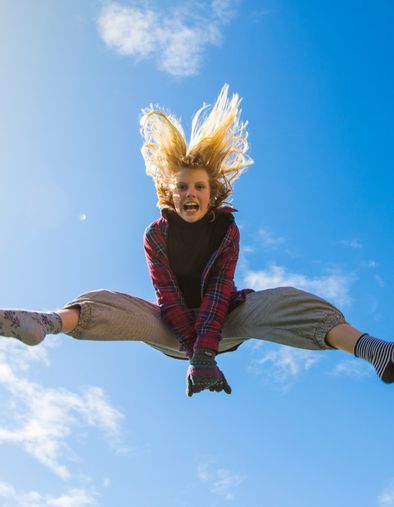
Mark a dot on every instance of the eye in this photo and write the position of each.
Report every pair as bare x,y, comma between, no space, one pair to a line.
181,186
200,186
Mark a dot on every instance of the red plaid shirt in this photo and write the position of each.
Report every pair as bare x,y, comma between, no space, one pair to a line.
219,295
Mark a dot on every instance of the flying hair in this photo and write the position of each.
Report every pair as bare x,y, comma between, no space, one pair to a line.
218,144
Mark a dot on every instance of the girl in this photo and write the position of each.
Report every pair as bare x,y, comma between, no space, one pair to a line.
192,252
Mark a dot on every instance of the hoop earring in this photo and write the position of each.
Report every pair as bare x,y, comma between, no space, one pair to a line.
213,216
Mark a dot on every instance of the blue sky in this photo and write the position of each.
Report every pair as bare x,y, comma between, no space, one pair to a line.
108,424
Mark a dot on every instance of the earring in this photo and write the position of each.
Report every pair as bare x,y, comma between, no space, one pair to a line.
212,216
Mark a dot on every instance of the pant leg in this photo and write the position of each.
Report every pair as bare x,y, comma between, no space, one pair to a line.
283,315
110,315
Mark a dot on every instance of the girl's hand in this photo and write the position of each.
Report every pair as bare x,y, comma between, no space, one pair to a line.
203,373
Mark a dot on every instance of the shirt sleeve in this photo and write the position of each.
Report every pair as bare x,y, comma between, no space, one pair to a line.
216,299
169,297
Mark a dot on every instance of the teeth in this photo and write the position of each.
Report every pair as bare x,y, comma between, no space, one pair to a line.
190,206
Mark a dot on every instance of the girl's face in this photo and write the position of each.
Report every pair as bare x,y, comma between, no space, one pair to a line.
191,194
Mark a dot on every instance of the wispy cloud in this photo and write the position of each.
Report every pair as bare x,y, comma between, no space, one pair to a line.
41,419
355,368
72,498
221,481
268,239
386,498
284,364
106,483
176,39
333,286
246,249
352,243
370,264
257,14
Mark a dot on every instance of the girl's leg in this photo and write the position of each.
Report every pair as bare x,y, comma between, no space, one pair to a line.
27,326
70,318
378,352
284,315
344,337
96,315
293,317
110,315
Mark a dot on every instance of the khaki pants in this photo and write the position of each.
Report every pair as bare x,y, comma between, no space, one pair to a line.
283,315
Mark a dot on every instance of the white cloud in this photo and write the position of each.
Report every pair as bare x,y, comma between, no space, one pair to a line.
177,40
41,419
72,498
202,472
386,498
372,264
128,30
224,9
334,286
246,249
258,14
352,243
106,482
285,364
379,281
222,481
225,482
268,239
355,368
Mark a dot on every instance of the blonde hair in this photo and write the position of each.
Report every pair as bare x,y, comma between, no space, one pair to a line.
218,144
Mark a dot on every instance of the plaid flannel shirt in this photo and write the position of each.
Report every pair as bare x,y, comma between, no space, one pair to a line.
219,295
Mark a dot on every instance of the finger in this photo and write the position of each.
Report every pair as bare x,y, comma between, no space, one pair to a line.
217,387
189,387
225,385
227,389
197,388
199,384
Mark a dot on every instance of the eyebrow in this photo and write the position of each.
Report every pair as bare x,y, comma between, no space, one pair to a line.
196,182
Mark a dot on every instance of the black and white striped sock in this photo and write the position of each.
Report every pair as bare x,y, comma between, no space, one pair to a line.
378,352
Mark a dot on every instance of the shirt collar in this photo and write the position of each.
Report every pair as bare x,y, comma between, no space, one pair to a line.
223,209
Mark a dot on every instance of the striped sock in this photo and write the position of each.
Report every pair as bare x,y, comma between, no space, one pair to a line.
378,352
27,326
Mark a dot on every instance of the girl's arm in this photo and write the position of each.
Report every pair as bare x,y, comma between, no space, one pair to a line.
215,304
169,297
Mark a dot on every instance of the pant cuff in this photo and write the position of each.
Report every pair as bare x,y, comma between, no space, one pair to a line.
84,318
331,320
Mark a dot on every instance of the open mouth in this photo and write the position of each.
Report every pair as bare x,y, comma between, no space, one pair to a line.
191,206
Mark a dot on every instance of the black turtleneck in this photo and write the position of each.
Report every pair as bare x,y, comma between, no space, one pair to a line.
189,247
